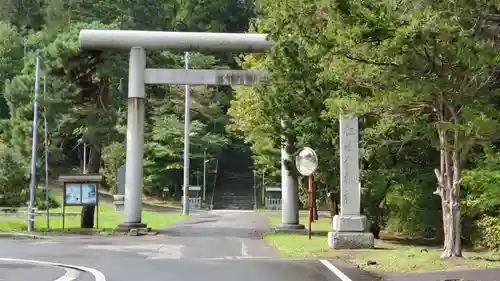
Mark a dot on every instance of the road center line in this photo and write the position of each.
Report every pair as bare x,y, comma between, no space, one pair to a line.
98,276
70,275
335,270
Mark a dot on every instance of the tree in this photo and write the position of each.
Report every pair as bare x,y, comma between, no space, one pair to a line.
430,63
79,97
86,98
25,15
248,120
418,75
11,55
14,178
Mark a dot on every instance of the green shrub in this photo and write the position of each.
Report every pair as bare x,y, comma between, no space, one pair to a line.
14,179
113,157
40,201
488,229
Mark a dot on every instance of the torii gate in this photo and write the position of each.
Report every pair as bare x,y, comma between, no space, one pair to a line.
349,226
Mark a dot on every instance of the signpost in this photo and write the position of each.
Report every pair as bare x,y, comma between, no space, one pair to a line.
120,179
81,190
307,162
119,197
197,199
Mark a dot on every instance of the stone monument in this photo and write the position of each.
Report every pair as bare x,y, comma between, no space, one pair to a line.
350,228
119,197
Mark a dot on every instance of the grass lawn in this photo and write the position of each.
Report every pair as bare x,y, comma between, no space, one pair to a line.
108,218
321,225
390,256
261,210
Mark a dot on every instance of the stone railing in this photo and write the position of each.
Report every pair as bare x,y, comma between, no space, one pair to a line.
272,203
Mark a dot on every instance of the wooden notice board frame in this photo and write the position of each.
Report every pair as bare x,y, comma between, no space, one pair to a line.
80,180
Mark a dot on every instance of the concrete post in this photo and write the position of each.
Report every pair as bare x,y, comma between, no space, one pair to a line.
135,140
350,229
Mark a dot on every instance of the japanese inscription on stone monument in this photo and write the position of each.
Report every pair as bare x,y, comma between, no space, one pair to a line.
349,166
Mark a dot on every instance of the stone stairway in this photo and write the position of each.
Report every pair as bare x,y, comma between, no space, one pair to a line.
234,186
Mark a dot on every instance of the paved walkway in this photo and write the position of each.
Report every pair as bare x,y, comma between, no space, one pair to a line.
219,234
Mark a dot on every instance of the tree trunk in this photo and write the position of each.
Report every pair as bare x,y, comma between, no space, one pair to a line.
376,225
336,207
333,205
448,177
87,213
455,198
315,205
94,164
301,188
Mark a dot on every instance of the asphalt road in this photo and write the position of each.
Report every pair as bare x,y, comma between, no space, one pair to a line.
22,270
208,247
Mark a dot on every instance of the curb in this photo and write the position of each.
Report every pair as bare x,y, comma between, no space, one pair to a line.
21,235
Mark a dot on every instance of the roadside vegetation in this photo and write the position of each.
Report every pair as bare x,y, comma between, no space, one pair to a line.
392,253
106,220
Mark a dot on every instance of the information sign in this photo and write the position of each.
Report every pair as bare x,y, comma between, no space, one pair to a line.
80,193
73,194
89,193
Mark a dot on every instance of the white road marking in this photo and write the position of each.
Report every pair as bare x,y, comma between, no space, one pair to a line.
151,251
335,270
253,257
210,259
70,275
244,249
98,276
235,258
43,242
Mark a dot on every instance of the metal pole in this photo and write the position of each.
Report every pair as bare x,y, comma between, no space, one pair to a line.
31,213
204,174
46,158
84,158
256,200
310,203
185,198
263,189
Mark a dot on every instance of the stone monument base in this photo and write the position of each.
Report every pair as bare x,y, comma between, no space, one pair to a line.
350,223
290,229
351,240
119,206
119,202
127,226
350,232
